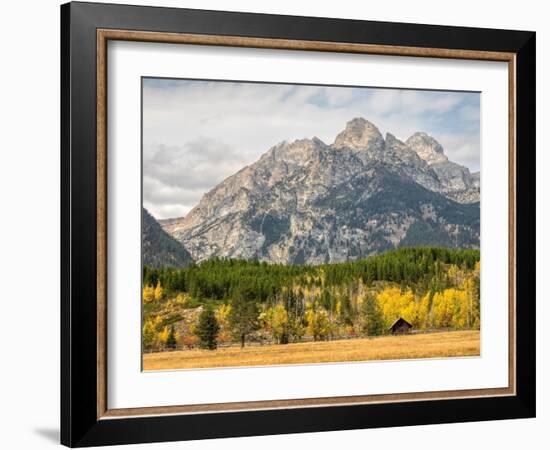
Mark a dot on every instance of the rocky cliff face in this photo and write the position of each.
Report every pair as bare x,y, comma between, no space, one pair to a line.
169,225
159,249
309,202
456,181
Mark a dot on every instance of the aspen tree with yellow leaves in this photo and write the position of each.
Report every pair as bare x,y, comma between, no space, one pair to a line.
450,309
277,321
396,304
222,313
158,292
163,335
149,333
318,322
148,294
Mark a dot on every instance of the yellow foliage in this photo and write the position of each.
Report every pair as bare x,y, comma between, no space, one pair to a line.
149,333
277,321
279,317
318,323
471,290
150,330
222,316
156,321
451,308
163,335
158,291
455,274
181,299
222,313
395,304
148,294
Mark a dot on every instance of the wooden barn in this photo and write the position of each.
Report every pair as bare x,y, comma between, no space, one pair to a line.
400,326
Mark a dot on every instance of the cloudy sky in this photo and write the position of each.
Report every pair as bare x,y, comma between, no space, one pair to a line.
197,133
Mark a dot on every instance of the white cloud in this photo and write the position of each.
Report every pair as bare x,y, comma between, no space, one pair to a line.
462,149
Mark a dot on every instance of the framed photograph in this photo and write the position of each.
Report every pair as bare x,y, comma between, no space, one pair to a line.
277,224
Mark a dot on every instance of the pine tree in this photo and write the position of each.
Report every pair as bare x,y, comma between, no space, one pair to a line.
243,317
373,319
207,330
171,340
346,311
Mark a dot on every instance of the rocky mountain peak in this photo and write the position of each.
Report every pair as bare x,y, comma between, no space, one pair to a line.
359,134
297,152
393,143
427,148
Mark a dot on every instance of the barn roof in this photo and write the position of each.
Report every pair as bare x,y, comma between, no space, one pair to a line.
400,319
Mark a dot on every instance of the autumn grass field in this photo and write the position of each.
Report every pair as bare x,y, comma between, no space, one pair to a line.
425,345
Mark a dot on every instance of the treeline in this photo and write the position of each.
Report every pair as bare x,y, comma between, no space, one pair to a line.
225,301
419,268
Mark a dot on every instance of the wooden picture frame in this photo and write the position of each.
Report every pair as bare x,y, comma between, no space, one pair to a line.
86,418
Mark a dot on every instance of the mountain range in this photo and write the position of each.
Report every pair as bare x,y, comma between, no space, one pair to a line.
308,202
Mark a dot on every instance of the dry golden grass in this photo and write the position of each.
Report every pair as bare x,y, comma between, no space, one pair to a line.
428,345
